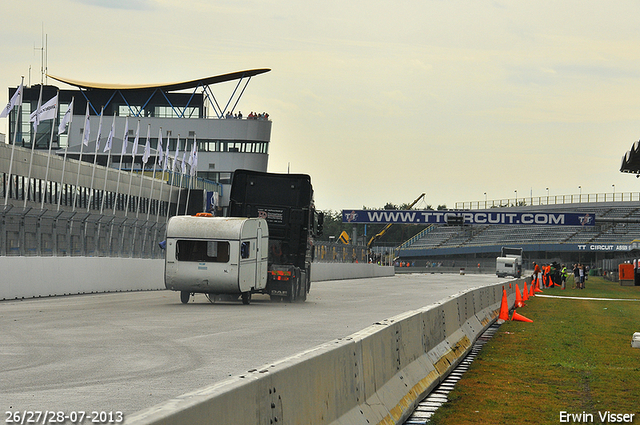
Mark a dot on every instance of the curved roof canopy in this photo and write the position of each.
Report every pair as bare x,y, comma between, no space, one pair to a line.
182,85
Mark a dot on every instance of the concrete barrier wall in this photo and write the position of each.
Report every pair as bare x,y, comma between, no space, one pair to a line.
375,376
338,271
33,277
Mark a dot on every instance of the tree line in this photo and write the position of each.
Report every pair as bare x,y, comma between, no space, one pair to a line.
395,235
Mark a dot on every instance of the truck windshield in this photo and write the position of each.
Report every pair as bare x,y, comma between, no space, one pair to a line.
202,251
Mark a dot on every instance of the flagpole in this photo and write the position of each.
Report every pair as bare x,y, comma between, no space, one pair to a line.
95,160
33,145
125,141
64,159
153,177
85,137
7,188
134,151
145,158
188,183
181,180
173,178
191,173
46,174
106,171
164,167
107,145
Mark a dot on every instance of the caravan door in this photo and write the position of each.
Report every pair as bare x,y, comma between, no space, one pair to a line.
262,254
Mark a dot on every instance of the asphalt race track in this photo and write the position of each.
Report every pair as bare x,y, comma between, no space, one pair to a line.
128,351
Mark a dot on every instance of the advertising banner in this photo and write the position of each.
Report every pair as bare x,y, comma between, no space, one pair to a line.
468,217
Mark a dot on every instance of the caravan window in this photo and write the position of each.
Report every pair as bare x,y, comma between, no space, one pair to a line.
245,250
202,251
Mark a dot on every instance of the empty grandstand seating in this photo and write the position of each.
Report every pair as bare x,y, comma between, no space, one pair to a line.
605,231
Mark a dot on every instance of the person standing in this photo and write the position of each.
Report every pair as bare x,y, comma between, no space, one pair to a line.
563,276
547,275
576,276
537,273
581,268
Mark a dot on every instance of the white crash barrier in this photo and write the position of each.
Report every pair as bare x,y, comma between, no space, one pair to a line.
338,271
375,376
34,277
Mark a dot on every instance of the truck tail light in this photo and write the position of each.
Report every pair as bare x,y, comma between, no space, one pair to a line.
280,274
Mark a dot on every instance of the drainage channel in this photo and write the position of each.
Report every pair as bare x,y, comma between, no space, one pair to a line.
427,407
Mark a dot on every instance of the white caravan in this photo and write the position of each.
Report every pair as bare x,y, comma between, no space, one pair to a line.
510,262
508,266
216,255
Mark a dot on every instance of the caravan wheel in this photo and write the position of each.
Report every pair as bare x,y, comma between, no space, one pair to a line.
246,298
184,296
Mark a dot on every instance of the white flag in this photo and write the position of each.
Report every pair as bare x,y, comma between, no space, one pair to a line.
87,129
184,164
194,165
36,119
190,158
107,146
99,130
16,99
125,138
46,111
66,119
147,148
166,158
136,140
160,149
175,158
193,159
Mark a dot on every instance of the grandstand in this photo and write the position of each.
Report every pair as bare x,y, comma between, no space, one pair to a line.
615,237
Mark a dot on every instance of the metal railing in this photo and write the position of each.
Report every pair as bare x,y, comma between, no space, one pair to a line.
34,232
339,253
550,200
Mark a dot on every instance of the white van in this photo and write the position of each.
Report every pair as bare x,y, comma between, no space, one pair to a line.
216,255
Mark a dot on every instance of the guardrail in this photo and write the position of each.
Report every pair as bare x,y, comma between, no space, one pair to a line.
35,277
549,200
377,375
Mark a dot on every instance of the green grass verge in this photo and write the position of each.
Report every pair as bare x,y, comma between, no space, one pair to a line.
575,357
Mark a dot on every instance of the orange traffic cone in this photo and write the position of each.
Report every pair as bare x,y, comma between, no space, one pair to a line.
519,317
532,292
519,302
525,292
504,307
538,286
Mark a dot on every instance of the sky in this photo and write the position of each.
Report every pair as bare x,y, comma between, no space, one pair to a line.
379,101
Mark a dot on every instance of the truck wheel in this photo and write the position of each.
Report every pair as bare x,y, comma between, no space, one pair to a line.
184,296
246,298
291,292
302,294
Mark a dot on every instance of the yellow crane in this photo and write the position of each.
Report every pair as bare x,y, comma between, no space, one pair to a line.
384,230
